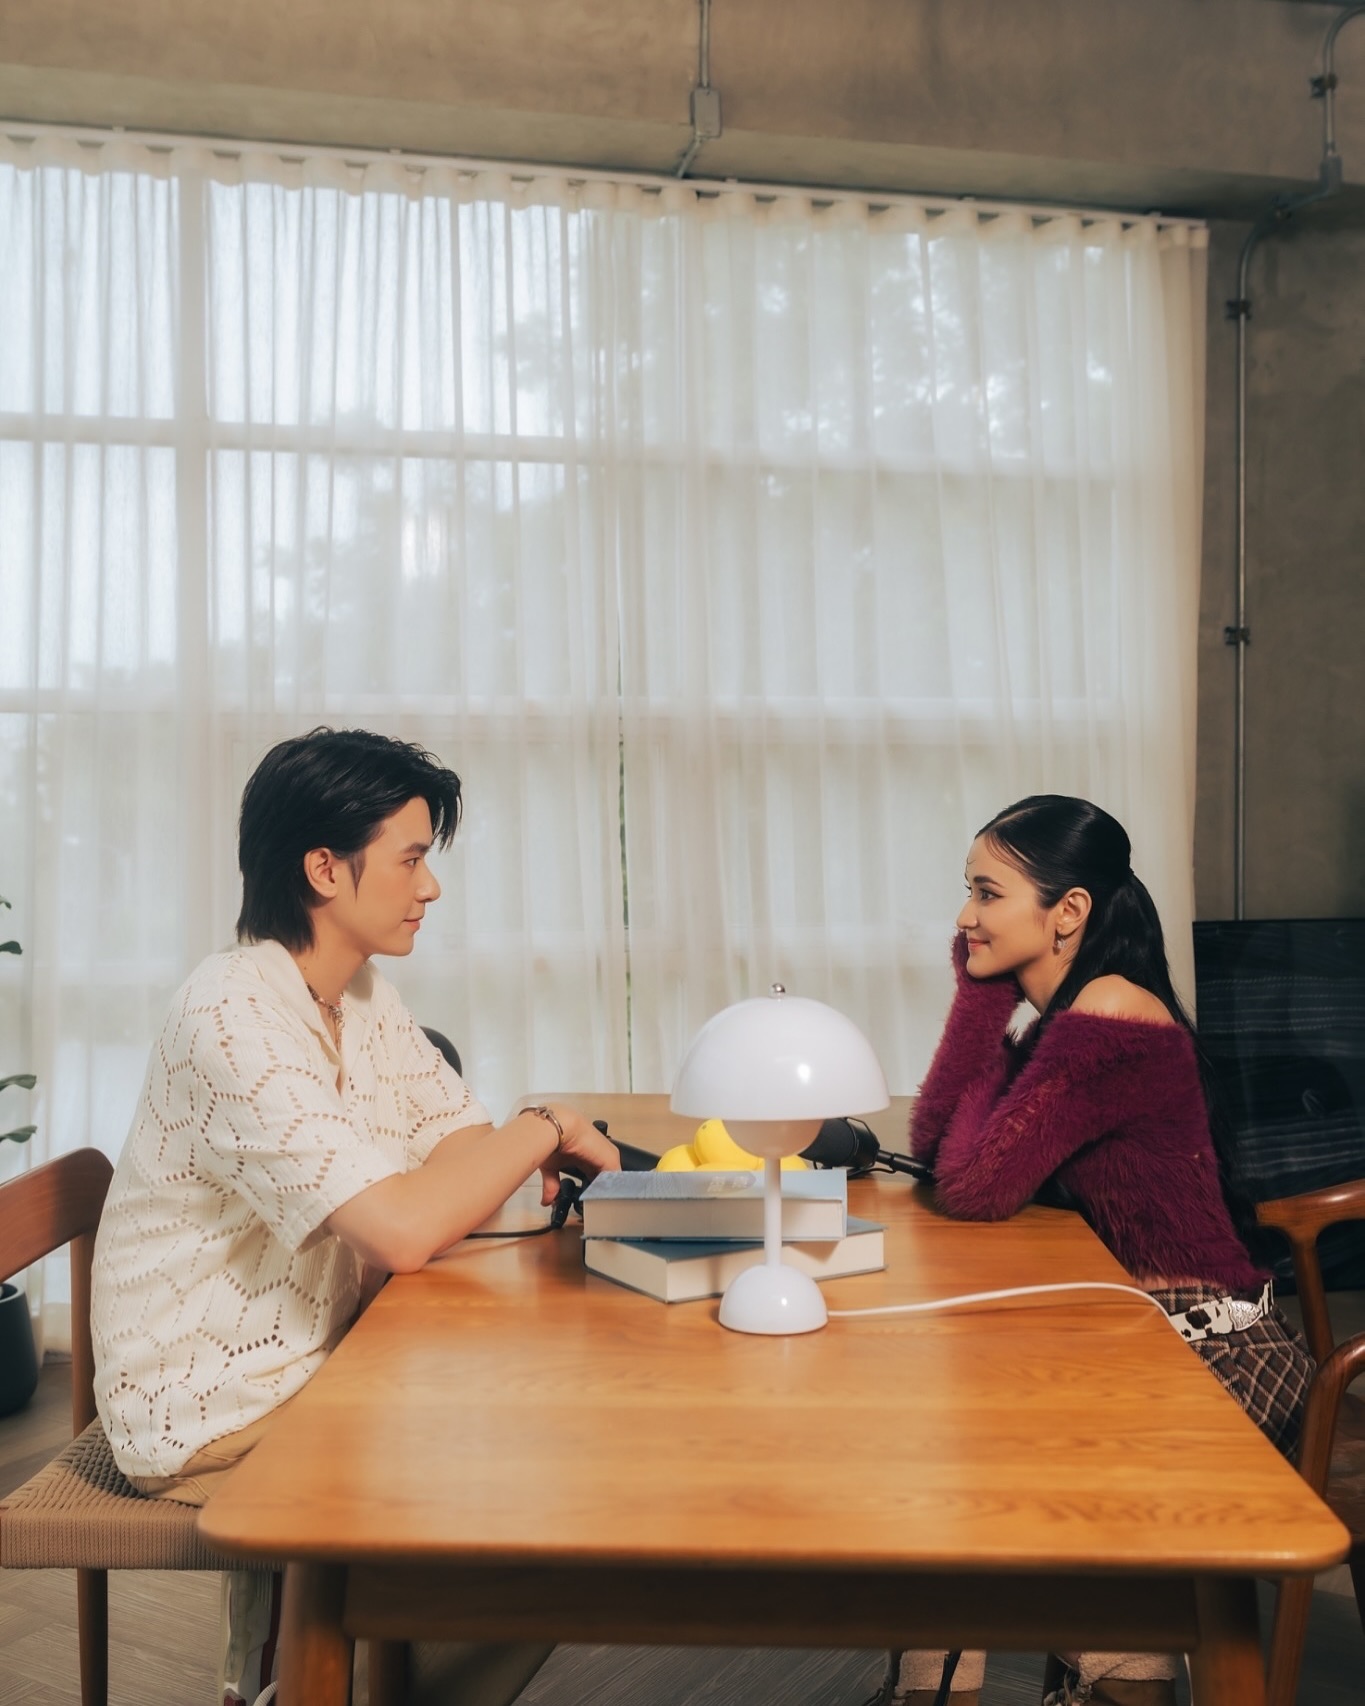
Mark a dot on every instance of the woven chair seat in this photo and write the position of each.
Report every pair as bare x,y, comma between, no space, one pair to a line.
82,1512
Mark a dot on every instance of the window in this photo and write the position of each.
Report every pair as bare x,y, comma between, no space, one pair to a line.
742,554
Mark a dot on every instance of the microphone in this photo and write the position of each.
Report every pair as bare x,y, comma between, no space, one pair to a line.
853,1144
570,1189
839,1143
633,1160
843,1143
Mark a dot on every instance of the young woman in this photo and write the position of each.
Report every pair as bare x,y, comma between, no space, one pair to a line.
1099,1106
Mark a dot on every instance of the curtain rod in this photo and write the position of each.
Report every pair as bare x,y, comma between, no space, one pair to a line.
526,172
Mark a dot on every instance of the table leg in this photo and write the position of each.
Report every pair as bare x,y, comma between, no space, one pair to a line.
315,1651
389,1670
1225,1668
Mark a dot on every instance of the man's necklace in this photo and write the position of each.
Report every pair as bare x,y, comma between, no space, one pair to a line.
333,1009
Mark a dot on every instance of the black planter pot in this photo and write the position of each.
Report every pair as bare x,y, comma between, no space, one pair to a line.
18,1358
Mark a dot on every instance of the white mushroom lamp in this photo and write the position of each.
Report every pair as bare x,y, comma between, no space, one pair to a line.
774,1069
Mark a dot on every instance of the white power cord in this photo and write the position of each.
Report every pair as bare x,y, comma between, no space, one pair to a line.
995,1297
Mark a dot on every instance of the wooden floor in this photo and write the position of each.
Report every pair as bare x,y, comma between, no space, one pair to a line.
164,1627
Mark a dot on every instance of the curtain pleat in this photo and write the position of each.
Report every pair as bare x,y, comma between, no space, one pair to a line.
743,554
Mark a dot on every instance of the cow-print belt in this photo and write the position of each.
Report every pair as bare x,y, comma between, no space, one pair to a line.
1222,1315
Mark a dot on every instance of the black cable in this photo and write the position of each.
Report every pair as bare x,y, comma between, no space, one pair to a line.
886,1692
570,1190
852,1144
949,1666
907,1165
526,1232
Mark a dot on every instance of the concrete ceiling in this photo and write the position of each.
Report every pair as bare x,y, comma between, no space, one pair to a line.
1197,106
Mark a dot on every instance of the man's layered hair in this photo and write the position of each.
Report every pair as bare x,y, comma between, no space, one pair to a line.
330,788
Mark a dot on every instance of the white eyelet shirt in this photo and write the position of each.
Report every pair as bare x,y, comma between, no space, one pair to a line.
216,1294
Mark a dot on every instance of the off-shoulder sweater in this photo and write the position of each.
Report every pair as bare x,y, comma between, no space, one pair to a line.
1114,1107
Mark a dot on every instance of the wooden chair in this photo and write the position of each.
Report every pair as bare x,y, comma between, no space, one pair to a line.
1332,1450
448,1051
81,1513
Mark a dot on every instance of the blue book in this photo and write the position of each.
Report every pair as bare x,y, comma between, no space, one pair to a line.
677,1270
714,1205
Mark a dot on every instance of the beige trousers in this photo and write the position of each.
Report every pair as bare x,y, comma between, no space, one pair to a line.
204,1473
249,1604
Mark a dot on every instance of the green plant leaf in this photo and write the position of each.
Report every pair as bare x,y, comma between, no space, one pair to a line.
10,948
23,1080
20,1134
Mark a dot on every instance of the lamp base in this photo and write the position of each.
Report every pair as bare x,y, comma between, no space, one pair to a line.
774,1300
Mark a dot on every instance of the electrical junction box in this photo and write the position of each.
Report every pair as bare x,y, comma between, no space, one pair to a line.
705,113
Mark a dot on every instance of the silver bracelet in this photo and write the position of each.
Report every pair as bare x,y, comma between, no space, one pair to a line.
548,1114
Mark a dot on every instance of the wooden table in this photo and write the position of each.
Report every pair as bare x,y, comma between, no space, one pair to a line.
507,1448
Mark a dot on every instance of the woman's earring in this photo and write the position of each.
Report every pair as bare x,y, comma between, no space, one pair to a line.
1057,941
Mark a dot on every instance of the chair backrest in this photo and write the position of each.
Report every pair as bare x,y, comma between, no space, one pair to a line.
60,1203
1302,1219
1334,1375
447,1048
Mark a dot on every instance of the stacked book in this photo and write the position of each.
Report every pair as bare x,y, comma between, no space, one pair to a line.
680,1236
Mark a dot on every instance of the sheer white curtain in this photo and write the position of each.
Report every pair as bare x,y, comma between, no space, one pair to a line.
742,554
920,535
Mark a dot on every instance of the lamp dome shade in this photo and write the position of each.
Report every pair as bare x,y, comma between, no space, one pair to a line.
779,1057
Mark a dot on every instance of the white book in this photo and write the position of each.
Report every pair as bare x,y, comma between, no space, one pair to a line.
678,1270
713,1205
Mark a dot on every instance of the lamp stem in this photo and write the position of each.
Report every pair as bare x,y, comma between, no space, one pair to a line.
772,1211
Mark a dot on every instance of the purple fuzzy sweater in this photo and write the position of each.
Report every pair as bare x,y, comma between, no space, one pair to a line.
1114,1107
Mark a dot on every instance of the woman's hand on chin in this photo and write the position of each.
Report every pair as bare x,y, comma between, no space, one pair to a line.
994,989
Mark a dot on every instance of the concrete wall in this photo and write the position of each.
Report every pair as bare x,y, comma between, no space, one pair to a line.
1305,540
1185,105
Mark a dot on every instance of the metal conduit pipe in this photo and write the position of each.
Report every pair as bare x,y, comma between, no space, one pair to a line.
1325,88
1238,634
705,100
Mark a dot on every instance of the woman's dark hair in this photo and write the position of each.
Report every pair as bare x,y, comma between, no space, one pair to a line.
1062,843
330,788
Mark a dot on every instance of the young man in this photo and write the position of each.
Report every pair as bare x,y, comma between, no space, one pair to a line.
295,1125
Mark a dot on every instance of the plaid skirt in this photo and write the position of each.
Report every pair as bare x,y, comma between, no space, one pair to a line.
1266,1366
